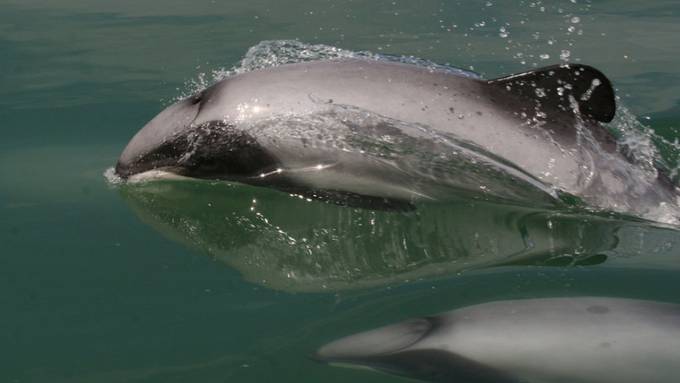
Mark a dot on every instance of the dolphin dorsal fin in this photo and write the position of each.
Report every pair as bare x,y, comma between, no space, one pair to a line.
560,85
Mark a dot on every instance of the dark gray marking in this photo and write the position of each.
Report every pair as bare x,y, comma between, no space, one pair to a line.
598,309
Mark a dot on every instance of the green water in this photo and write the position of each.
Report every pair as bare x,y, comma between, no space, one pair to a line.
100,283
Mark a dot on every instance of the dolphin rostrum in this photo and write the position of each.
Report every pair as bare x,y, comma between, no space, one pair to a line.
553,340
378,132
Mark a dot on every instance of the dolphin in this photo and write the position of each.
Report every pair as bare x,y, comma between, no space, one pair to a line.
381,133
553,340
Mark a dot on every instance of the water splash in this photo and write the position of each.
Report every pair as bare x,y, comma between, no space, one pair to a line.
112,178
274,53
635,140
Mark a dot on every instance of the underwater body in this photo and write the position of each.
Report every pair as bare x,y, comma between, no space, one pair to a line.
584,339
213,280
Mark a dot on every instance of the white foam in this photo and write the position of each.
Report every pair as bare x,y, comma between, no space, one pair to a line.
155,175
150,175
274,53
111,177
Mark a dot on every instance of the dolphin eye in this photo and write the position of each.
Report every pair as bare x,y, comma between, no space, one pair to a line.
195,99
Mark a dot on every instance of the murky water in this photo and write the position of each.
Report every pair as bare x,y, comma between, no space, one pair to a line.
212,282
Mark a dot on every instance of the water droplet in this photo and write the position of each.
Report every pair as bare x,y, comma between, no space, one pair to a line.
503,33
544,56
575,20
564,55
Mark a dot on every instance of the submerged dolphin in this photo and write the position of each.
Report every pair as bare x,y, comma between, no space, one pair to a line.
329,129
576,340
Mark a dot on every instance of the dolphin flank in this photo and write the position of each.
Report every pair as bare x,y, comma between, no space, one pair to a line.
379,133
577,340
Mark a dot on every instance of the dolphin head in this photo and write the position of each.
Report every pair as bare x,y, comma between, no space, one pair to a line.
367,345
382,349
406,349
174,142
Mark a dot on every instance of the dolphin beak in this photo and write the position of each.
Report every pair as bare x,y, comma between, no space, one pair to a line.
362,347
161,142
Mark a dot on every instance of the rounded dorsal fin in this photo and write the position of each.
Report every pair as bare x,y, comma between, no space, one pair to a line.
560,86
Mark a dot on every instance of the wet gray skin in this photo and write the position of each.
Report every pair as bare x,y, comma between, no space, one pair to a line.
577,340
538,131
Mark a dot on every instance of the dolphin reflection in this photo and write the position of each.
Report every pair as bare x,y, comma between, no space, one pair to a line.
288,242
